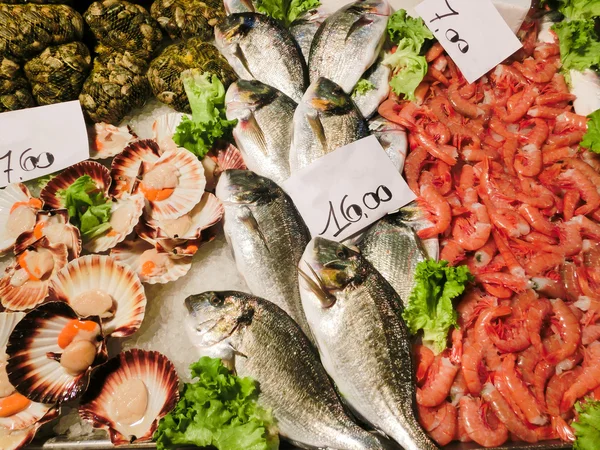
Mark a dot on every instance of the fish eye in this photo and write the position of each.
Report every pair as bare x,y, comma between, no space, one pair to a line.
341,253
215,301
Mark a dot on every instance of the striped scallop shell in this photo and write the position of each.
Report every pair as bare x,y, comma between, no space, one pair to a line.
70,236
11,194
18,439
134,205
230,158
109,140
35,411
32,348
162,384
99,173
163,130
101,272
126,166
31,293
189,189
136,253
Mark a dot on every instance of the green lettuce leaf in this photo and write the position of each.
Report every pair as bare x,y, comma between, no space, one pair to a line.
579,9
88,208
362,87
591,139
219,409
430,303
401,27
286,11
579,44
587,425
208,123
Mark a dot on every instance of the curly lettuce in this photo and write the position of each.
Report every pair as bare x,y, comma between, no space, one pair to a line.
579,9
579,44
208,123
591,139
286,11
430,305
219,409
587,425
362,87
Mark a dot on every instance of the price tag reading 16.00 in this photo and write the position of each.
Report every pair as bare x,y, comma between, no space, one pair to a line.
472,32
38,141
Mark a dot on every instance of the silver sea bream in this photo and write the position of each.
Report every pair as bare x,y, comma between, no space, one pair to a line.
368,102
393,139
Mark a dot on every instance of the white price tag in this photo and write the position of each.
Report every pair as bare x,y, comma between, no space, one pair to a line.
346,190
38,141
472,32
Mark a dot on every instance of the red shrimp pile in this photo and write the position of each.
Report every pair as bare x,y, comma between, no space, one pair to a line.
497,167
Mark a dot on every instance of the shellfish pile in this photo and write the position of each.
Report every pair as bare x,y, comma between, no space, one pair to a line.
73,286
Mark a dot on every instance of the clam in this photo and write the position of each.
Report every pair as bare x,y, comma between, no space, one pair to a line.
129,394
52,351
17,214
25,284
149,263
19,416
98,285
109,140
55,226
126,166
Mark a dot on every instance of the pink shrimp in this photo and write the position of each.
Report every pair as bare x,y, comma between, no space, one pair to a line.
446,153
508,77
473,233
574,178
510,222
570,201
473,416
461,105
563,429
509,150
549,287
515,283
572,121
439,380
438,207
440,132
537,220
569,331
484,255
588,379
545,112
423,358
459,388
435,51
506,415
529,95
571,241
584,168
541,263
504,389
457,346
557,386
537,132
536,314
538,72
565,139
510,336
569,277
542,373
554,155
526,362
588,227
479,154
452,252
441,430
412,167
554,97
528,160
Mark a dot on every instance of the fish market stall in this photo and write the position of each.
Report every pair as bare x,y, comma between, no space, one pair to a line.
322,224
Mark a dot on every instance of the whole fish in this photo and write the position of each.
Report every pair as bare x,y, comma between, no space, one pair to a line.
325,120
260,48
368,102
392,138
267,236
348,42
264,129
277,354
394,249
355,317
304,29
413,215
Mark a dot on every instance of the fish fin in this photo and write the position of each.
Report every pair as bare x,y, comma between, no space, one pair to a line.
326,299
239,54
249,220
256,133
360,22
236,352
317,128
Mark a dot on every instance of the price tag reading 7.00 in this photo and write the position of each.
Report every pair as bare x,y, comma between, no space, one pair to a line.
472,32
347,190
38,141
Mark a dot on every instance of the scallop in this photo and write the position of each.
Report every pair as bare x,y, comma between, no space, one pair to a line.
98,285
99,173
52,352
214,166
164,128
125,214
126,166
172,185
130,394
18,439
55,226
25,284
17,214
109,140
151,265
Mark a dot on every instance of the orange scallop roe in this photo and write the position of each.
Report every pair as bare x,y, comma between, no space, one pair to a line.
13,404
192,248
71,329
156,195
22,260
148,267
38,231
33,202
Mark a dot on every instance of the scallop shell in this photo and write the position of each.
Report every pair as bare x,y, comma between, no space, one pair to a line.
170,269
99,173
70,234
32,368
187,193
31,293
11,194
163,130
230,158
18,439
109,140
111,238
101,272
158,375
127,165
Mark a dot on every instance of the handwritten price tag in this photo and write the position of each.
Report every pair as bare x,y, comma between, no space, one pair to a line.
472,32
343,192
38,141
